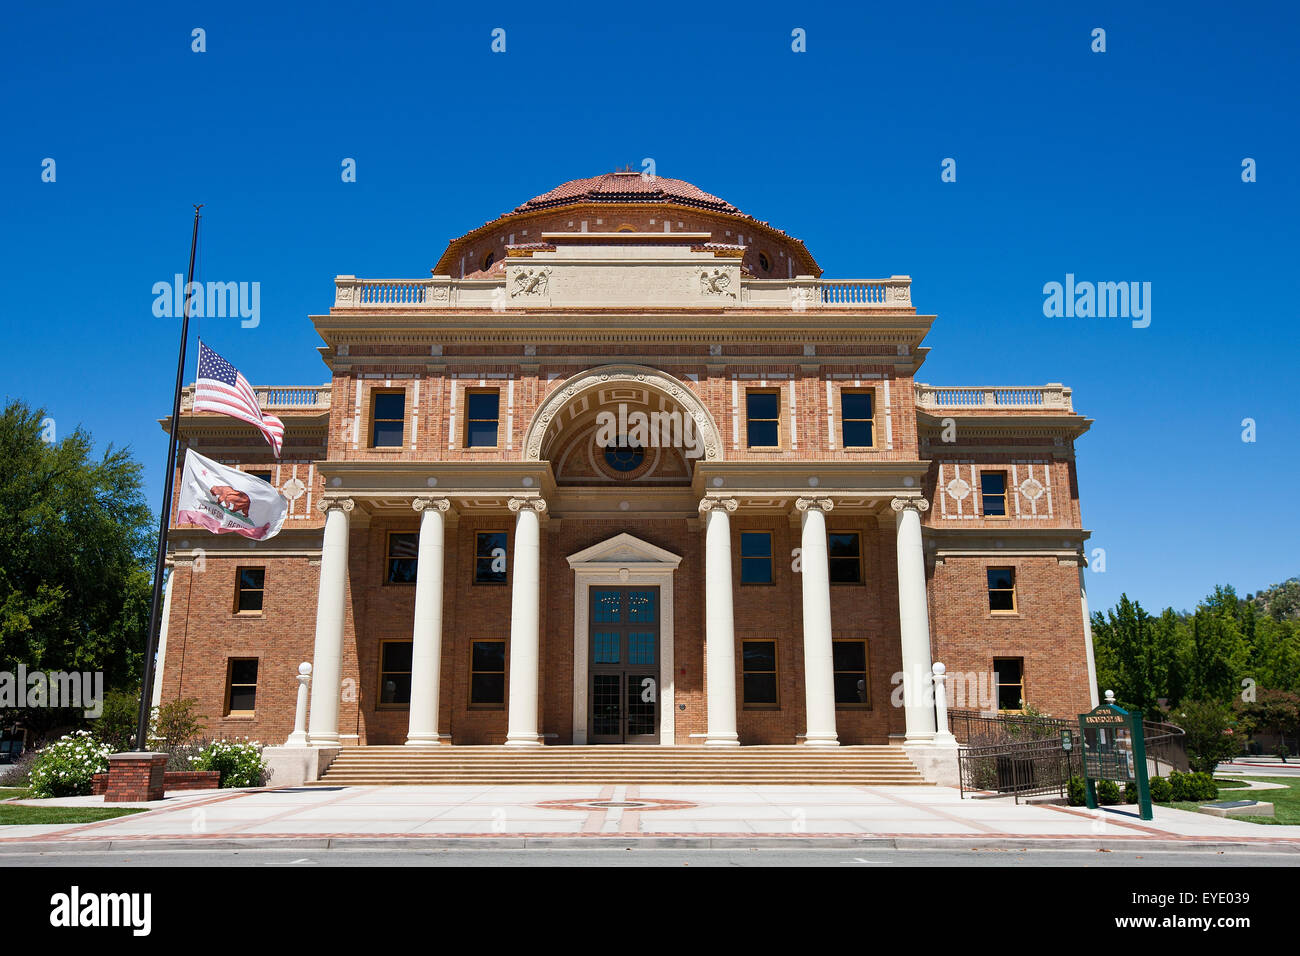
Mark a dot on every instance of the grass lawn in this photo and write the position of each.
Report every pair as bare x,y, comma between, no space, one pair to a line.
13,814
1286,803
1230,784
8,793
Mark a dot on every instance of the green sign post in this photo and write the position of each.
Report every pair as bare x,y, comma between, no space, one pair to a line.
1114,749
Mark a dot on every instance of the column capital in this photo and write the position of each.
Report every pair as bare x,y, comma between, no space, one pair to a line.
531,504
424,504
814,504
916,503
340,502
708,504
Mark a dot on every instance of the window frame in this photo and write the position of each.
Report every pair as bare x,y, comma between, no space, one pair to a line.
871,394
465,430
775,672
229,710
379,690
375,394
770,557
997,688
1005,495
389,559
240,589
990,590
830,559
780,407
474,567
866,672
269,479
504,672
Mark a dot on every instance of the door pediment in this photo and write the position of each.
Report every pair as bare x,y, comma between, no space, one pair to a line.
623,551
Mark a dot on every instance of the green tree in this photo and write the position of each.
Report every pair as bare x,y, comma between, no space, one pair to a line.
75,553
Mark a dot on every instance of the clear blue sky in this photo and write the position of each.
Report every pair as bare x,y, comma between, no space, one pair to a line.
1117,166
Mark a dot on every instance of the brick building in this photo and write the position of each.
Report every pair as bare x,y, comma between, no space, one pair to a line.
625,469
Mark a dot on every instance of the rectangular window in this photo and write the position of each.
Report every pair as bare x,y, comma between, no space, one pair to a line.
993,492
250,584
845,551
758,666
482,418
1009,672
755,557
387,419
856,421
403,546
241,687
1002,590
850,664
264,475
763,418
490,557
394,673
487,674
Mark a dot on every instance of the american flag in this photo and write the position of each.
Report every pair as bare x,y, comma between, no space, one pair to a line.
222,389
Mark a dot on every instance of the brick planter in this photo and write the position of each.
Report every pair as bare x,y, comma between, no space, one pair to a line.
135,777
172,780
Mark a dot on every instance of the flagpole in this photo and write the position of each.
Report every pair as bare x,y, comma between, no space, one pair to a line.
164,521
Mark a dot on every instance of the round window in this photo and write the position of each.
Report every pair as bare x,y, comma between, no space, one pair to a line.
624,456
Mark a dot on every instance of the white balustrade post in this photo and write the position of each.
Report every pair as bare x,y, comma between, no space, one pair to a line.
299,736
943,735
426,639
719,624
525,648
818,648
913,620
327,656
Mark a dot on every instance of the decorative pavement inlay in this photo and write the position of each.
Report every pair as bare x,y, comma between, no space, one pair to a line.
637,804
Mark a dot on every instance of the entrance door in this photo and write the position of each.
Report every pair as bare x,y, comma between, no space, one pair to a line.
624,666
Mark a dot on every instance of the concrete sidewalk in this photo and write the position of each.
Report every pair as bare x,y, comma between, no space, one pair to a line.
659,814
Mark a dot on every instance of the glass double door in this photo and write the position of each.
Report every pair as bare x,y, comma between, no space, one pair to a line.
623,666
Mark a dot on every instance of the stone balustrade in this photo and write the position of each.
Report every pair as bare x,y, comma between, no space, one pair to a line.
1050,397
313,398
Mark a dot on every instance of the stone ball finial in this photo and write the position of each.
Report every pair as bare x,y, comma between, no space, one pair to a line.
939,669
1110,697
304,668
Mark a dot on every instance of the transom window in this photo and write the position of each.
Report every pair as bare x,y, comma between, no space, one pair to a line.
993,492
387,418
850,663
395,673
625,456
856,422
758,665
487,674
241,687
1009,673
1002,590
403,549
763,418
250,586
490,557
845,553
482,418
755,557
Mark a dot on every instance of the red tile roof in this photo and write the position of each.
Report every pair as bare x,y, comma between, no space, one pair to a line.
624,187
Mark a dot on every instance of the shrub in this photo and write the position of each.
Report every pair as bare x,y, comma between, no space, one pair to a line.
176,724
1107,793
1130,792
1201,786
1076,793
1283,751
1178,786
117,724
240,763
1161,791
1211,738
65,767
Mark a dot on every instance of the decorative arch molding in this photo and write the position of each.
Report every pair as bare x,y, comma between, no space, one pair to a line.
604,375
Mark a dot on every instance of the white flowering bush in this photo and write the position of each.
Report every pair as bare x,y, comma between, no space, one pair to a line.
65,767
240,762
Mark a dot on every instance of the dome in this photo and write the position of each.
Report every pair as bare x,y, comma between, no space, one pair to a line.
626,187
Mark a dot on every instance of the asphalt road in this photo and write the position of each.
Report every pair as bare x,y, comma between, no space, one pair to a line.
957,856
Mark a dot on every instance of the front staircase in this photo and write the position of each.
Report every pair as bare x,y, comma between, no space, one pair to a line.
784,765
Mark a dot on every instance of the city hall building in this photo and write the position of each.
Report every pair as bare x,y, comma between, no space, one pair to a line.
625,469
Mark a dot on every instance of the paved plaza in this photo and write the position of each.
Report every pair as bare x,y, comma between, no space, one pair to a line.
658,815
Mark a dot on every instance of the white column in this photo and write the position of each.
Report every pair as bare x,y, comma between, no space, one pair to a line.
914,620
162,640
943,736
719,624
299,736
327,656
818,651
1087,641
426,640
525,650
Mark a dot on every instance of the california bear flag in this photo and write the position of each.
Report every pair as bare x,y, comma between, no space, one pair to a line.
222,499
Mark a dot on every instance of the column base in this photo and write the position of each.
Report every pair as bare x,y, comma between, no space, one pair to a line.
821,740
427,740
924,738
297,739
945,740
722,740
323,740
533,741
